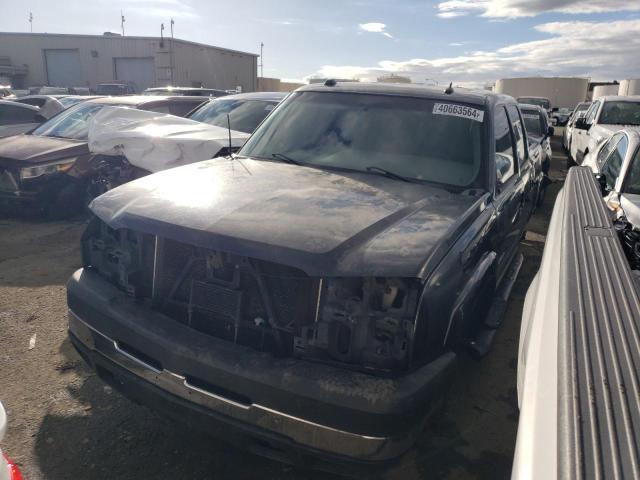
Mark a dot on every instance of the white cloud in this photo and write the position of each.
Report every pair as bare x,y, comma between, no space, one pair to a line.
600,50
531,8
158,8
450,14
375,27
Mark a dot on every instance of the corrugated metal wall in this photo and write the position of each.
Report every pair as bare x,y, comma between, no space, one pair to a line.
193,63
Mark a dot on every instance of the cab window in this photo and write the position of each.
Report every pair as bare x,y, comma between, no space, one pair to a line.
13,115
518,132
611,168
505,165
591,113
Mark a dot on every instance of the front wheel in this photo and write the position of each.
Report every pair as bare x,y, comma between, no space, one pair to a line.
68,202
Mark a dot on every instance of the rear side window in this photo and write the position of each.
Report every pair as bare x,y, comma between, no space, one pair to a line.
181,109
633,177
607,148
533,123
505,165
36,102
518,132
611,168
12,115
156,107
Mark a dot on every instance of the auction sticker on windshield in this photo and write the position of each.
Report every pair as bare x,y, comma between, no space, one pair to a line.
455,110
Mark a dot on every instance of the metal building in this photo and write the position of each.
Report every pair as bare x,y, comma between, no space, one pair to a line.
86,60
629,87
564,92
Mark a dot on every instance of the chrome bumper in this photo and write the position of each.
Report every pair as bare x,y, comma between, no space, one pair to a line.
302,432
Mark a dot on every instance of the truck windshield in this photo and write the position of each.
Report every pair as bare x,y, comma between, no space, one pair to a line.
620,113
415,138
541,102
71,123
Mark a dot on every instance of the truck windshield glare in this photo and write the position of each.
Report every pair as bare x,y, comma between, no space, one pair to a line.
415,138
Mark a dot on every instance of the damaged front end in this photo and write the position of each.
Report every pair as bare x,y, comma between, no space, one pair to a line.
358,323
630,238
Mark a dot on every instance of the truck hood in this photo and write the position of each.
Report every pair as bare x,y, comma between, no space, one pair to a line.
325,223
155,142
21,150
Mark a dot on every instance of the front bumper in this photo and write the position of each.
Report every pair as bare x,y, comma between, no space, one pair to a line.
36,195
288,404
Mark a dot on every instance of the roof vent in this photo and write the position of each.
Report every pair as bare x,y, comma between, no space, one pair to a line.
449,89
330,83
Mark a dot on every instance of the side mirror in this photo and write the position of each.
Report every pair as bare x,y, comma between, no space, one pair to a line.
550,131
602,181
582,124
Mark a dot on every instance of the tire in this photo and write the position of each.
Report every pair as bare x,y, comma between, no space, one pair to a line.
68,202
570,162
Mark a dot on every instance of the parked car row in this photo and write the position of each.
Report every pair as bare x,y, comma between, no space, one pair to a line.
52,170
308,292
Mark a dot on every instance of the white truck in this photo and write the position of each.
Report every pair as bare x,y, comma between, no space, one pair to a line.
578,360
606,116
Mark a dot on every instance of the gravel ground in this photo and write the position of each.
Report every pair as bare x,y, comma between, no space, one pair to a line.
64,423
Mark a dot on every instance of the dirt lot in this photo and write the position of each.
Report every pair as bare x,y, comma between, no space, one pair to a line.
64,423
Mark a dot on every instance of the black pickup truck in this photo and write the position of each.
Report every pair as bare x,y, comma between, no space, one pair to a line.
310,295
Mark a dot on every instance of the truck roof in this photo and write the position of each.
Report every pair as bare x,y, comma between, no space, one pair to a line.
479,97
620,98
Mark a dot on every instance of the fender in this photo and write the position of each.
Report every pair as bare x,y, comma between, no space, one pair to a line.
467,294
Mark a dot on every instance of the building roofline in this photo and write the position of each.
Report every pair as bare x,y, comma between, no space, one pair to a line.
127,37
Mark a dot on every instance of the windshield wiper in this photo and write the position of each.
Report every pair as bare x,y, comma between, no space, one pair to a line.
387,173
285,158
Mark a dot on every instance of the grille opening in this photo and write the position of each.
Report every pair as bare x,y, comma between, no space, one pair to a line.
143,357
243,300
219,391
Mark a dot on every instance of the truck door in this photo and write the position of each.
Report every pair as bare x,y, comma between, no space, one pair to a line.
507,195
580,136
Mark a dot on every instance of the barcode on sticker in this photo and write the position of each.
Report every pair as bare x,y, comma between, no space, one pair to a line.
455,110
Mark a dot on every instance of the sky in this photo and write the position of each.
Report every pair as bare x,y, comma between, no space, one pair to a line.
468,42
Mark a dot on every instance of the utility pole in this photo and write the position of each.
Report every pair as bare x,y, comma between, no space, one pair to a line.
171,53
31,22
261,60
122,22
